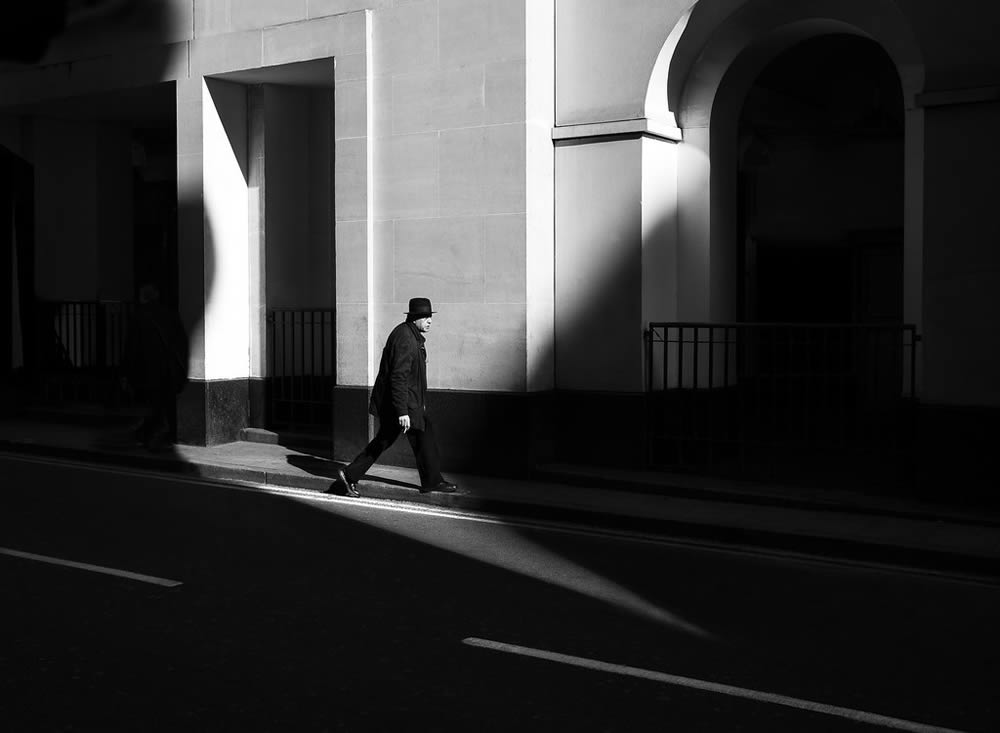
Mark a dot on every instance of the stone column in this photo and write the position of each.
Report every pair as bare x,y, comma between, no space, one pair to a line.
354,234
960,397
616,270
616,255
960,255
214,258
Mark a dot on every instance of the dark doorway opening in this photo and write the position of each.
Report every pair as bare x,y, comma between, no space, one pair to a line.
816,281
821,186
821,204
813,384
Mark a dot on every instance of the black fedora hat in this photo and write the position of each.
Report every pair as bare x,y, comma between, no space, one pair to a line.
420,308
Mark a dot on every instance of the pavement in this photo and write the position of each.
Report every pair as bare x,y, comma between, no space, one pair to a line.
840,525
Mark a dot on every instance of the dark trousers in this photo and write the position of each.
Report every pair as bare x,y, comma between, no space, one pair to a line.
422,442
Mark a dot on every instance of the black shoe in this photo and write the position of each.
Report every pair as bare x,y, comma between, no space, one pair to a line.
348,488
442,488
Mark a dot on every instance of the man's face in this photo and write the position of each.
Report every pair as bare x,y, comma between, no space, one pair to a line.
423,324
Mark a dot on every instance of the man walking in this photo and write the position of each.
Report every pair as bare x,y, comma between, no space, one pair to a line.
399,401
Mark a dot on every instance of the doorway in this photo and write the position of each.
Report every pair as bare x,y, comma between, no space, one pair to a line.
821,186
821,225
805,373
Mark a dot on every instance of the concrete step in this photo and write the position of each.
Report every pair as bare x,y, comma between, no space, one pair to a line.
315,443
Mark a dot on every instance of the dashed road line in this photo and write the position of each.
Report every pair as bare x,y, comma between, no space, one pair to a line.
860,716
152,579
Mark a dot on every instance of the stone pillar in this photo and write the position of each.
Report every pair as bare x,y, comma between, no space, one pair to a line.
616,256
257,230
616,270
355,242
214,258
960,254
599,265
659,230
960,400
694,195
708,202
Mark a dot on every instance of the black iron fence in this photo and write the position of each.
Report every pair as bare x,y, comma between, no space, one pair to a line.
301,369
78,349
824,402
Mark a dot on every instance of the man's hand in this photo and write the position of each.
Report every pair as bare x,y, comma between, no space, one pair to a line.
404,422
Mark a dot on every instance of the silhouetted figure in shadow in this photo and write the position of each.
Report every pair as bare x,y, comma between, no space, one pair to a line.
399,400
155,366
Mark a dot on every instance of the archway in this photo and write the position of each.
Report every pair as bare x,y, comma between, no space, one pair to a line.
788,113
708,64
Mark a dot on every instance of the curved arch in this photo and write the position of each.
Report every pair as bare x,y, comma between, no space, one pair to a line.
657,103
710,59
704,55
711,34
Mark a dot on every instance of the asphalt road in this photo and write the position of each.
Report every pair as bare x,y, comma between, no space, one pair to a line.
291,611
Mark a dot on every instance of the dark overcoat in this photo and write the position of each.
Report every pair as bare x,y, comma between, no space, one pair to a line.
401,385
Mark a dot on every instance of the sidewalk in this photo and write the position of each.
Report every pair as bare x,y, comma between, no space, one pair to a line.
826,523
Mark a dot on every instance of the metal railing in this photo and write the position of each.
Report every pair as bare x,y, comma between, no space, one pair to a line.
768,400
78,349
301,368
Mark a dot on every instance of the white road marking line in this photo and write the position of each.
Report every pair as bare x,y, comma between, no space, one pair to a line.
816,707
165,582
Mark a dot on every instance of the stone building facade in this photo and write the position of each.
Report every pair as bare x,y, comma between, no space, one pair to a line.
554,174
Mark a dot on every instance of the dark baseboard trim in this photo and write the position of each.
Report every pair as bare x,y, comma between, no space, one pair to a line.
506,433
213,412
257,403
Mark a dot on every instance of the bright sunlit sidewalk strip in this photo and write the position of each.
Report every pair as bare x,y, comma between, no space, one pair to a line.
670,679
165,582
